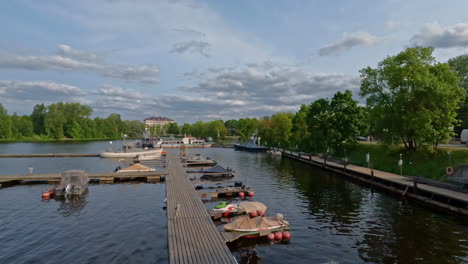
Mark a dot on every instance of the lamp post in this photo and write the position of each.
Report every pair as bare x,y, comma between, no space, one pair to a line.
400,163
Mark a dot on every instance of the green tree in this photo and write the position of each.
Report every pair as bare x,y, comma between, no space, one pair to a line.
54,120
173,129
246,127
187,129
281,125
38,119
318,123
21,126
346,118
231,126
5,123
300,135
460,65
412,97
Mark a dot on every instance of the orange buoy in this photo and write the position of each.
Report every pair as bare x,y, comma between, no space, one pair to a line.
251,193
286,235
45,195
241,194
271,236
278,235
260,213
253,214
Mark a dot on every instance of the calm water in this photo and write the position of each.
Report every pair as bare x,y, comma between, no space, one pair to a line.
332,220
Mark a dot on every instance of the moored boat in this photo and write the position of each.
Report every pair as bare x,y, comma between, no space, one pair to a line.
73,182
253,145
131,154
258,226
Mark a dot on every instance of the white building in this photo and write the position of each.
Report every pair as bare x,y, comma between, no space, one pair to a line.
157,121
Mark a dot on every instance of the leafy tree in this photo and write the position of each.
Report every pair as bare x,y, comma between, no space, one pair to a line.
318,123
21,126
231,126
265,131
281,125
173,129
187,129
38,119
54,120
460,65
246,127
5,123
412,98
347,120
300,135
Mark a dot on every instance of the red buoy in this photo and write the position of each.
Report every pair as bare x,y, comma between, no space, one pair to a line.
253,214
45,195
271,236
260,213
286,235
251,193
278,235
241,194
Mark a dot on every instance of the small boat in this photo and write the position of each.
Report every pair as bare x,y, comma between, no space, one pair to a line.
275,152
259,226
131,154
48,193
225,209
73,182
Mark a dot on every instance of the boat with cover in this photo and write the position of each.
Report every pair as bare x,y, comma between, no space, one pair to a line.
257,226
73,182
131,154
253,145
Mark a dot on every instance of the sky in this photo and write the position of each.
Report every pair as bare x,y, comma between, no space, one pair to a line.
204,60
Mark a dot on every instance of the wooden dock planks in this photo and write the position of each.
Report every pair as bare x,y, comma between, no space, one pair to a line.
192,236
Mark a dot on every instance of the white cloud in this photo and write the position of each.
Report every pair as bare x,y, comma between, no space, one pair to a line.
433,34
39,91
67,51
76,60
349,41
192,46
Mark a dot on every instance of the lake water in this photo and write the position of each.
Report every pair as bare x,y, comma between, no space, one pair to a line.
332,220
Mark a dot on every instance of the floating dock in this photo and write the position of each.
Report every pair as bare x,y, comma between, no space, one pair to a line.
111,177
192,235
451,201
49,155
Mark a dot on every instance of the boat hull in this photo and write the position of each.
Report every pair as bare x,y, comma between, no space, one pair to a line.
154,152
251,149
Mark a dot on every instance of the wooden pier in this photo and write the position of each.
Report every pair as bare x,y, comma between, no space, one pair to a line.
49,155
451,201
111,177
192,235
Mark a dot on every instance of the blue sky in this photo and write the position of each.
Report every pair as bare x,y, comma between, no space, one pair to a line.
204,60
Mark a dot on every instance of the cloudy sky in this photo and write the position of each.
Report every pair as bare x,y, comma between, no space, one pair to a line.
204,60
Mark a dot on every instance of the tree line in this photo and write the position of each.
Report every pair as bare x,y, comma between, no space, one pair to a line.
64,120
411,99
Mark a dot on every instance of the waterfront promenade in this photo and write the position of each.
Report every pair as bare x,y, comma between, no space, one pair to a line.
447,199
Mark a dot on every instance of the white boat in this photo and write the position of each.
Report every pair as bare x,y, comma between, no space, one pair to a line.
132,154
275,152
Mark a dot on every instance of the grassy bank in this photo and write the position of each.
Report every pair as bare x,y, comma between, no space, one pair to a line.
419,163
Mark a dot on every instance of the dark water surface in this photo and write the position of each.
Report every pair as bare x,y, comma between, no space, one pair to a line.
332,220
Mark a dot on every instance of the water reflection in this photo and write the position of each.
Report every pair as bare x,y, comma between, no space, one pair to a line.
72,205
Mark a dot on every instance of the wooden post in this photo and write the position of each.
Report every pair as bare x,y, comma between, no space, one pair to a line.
415,186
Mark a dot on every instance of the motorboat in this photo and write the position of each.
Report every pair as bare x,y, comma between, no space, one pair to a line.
275,152
225,209
258,226
253,145
131,154
73,182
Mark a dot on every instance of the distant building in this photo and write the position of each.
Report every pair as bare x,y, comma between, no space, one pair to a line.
157,121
